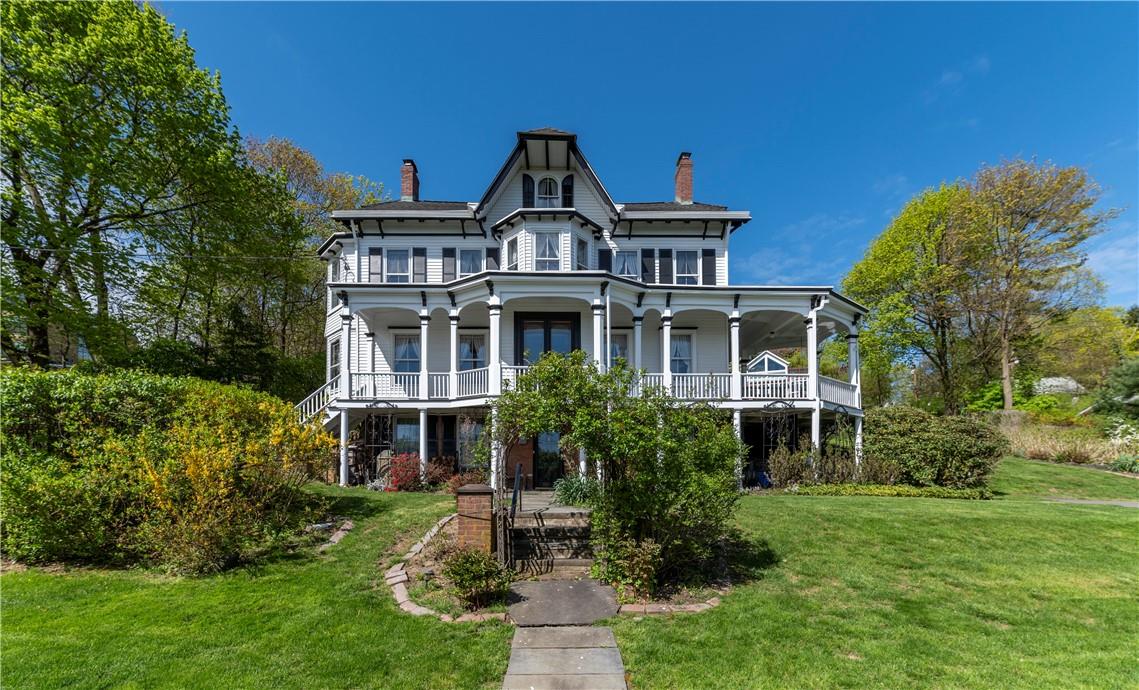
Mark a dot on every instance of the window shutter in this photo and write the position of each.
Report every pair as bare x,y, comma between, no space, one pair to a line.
567,191
419,265
448,264
666,266
648,266
492,258
527,191
375,265
708,267
605,259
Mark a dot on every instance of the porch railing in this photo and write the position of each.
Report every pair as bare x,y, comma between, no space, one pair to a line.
438,385
472,382
510,375
318,400
701,386
775,386
394,386
838,392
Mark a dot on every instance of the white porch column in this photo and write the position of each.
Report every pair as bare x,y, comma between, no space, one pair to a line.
734,353
581,461
812,355
737,423
453,381
816,424
423,443
495,450
857,441
666,348
424,321
854,364
343,447
494,373
371,352
599,334
345,349
638,322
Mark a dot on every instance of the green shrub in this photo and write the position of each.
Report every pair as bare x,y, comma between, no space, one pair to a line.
477,576
578,490
892,490
957,452
631,567
791,467
128,467
1126,463
1121,386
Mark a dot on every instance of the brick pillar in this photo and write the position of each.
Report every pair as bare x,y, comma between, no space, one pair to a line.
476,521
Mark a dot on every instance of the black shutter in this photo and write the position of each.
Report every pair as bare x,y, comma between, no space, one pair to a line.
419,265
666,266
708,267
448,264
375,265
605,259
492,258
567,191
527,191
648,266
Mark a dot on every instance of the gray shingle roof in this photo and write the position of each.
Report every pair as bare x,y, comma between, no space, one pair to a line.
417,206
549,131
672,206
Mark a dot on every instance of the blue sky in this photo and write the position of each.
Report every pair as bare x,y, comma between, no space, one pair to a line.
821,119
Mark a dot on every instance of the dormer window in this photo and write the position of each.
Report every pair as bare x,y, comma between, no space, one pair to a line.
547,193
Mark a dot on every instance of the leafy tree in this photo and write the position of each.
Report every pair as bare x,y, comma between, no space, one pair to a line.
1086,344
1120,393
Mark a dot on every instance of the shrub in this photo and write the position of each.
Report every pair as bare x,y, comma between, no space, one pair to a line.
1055,444
894,490
1126,463
439,472
403,473
477,576
578,490
788,467
1121,386
631,567
463,478
957,452
129,467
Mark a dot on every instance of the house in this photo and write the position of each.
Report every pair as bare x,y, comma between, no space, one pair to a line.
434,307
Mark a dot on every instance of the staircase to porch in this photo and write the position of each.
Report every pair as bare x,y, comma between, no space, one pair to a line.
551,540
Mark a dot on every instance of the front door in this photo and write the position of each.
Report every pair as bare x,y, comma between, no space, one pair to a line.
548,465
536,334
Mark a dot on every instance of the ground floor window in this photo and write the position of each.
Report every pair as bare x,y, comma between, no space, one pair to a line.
681,354
407,435
469,431
472,352
619,347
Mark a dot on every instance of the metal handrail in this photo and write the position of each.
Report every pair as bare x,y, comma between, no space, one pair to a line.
516,496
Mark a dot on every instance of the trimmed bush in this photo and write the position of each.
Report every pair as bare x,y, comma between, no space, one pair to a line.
477,576
463,478
894,490
403,474
956,452
577,490
128,467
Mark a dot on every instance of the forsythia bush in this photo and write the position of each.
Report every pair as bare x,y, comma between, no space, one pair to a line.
129,467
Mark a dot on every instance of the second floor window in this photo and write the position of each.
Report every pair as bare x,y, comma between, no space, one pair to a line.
625,264
547,193
470,261
687,268
547,252
618,347
512,255
334,359
582,255
472,352
399,270
681,354
406,353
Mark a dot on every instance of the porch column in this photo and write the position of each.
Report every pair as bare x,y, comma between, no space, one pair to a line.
734,353
666,348
423,443
812,355
599,334
854,364
581,461
638,322
343,447
453,380
737,423
424,321
495,449
371,352
494,373
816,425
345,350
858,441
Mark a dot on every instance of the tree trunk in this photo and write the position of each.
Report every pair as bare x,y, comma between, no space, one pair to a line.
1006,370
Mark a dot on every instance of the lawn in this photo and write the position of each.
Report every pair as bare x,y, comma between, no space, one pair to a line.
865,592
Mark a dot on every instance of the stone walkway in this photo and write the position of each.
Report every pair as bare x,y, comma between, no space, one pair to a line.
555,647
1093,502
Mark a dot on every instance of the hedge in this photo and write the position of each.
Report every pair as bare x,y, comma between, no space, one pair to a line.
901,490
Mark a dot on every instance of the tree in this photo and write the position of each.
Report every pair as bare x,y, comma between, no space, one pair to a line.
911,277
1085,344
1032,221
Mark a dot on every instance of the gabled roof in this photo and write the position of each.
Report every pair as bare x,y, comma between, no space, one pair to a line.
416,206
766,354
548,131
671,206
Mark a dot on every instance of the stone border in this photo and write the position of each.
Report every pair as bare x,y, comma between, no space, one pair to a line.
339,534
663,609
396,577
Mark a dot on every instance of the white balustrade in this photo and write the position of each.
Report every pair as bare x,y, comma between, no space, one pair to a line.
472,382
701,386
838,392
510,375
437,385
386,386
775,386
318,400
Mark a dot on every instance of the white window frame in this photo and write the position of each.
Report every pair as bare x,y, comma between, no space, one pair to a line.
582,246
546,200
478,259
475,363
635,263
615,338
333,358
672,360
391,276
542,263
397,360
686,278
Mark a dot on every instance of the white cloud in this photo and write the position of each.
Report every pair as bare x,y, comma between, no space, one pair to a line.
823,224
954,78
789,256
950,77
1115,257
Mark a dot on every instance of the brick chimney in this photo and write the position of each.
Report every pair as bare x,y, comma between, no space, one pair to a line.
684,178
409,181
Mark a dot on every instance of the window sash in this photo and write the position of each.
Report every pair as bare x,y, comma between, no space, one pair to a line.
334,359
512,255
687,267
618,346
407,435
470,262
627,264
547,193
399,266
407,355
547,251
582,255
472,352
681,355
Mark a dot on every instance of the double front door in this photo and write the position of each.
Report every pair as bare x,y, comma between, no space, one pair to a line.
538,333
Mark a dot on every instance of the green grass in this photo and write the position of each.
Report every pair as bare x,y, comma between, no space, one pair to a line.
864,592
322,621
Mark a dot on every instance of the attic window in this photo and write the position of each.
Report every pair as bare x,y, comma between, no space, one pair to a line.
767,362
547,193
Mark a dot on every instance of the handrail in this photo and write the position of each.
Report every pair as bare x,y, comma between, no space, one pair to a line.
516,496
316,401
